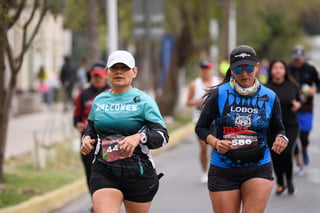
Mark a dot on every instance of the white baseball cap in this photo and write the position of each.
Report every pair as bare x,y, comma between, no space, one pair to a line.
121,56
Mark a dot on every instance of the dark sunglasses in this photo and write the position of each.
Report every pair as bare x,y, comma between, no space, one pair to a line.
247,68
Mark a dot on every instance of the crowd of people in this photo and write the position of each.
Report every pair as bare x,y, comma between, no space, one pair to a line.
255,122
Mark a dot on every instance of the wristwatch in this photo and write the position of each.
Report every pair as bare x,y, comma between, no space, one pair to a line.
284,137
143,138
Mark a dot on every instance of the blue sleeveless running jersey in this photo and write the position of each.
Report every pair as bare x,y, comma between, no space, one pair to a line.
236,114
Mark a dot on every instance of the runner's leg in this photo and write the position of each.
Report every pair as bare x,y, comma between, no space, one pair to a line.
134,207
225,201
107,200
255,194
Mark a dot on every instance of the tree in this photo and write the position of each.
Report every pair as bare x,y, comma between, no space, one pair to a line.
93,46
10,14
188,23
265,26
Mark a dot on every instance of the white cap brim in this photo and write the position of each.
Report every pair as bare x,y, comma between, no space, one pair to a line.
121,56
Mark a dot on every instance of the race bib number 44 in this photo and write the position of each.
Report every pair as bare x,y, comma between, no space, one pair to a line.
111,150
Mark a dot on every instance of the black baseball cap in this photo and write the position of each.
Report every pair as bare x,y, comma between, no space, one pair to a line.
243,55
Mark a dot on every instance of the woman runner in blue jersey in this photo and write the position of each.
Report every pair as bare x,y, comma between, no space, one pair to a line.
240,173
123,124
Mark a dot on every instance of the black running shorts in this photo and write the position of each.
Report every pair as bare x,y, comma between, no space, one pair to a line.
138,188
226,179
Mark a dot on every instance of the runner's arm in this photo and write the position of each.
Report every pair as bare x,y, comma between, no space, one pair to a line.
157,135
90,130
276,125
207,116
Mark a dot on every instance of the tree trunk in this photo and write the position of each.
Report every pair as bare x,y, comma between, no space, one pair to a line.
93,48
3,117
183,47
167,100
6,92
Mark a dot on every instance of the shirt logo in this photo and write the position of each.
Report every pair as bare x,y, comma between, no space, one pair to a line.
116,107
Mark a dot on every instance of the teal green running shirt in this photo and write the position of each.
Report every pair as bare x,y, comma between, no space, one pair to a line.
123,113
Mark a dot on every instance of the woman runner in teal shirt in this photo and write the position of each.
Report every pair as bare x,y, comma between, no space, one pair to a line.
123,124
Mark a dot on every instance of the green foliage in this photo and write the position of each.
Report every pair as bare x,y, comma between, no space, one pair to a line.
74,14
196,15
272,27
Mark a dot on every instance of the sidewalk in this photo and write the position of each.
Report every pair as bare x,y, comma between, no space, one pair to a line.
47,126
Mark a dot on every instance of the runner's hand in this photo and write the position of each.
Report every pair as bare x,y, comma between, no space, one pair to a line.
86,146
129,143
223,146
295,105
279,145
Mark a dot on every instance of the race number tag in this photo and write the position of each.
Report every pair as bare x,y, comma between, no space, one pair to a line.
111,150
241,140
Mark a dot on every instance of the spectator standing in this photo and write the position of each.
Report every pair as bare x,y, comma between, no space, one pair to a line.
43,85
67,79
309,81
287,89
196,92
82,78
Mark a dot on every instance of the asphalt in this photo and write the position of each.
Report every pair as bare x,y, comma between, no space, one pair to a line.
49,126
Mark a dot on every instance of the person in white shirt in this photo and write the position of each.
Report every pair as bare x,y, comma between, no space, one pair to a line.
196,91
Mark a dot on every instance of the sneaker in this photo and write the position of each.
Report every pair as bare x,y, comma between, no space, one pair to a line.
305,157
290,188
280,190
299,171
204,178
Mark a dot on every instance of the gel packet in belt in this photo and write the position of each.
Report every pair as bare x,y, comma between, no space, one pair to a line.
111,150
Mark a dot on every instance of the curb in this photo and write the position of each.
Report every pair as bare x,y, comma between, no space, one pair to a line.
60,197
51,200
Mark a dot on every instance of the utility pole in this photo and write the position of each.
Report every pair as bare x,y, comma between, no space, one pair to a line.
112,25
147,58
232,16
228,39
